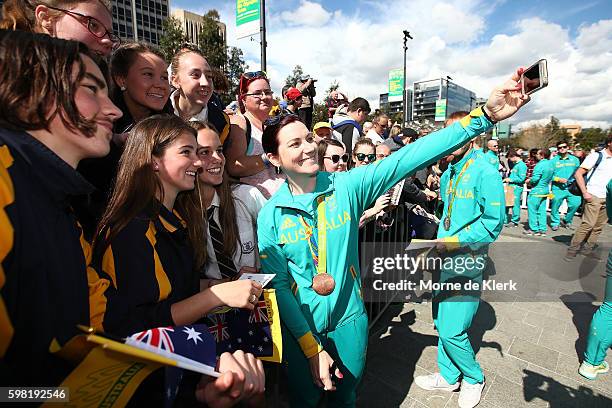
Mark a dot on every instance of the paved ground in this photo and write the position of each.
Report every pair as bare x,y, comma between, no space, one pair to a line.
530,350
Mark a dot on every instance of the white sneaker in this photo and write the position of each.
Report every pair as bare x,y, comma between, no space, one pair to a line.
435,382
470,394
590,371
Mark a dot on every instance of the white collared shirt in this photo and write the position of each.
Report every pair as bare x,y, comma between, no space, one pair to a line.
598,181
202,116
247,202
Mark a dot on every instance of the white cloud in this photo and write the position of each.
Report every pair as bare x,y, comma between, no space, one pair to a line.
307,14
359,49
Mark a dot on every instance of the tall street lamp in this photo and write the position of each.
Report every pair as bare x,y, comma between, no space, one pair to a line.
405,93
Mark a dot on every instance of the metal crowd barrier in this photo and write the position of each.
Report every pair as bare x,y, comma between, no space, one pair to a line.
395,240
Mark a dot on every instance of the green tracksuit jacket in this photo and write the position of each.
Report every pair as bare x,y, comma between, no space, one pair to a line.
563,169
283,243
541,178
492,159
478,207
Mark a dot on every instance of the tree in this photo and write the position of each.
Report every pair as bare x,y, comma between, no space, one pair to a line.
210,41
531,137
590,137
319,113
553,133
235,67
292,79
173,38
333,87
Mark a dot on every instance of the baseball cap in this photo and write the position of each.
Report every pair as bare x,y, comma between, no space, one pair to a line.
320,125
292,94
304,77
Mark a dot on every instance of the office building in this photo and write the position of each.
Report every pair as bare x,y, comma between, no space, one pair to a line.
572,129
140,20
192,23
394,107
435,99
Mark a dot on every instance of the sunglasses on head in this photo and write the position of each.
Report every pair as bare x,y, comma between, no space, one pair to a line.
248,77
335,158
362,156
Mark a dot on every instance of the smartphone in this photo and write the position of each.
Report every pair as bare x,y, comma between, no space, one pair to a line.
535,77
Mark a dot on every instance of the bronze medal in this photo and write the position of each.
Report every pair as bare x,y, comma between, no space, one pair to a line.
323,284
447,223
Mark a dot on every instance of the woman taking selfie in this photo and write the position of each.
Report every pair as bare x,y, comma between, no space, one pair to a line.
55,112
89,22
317,279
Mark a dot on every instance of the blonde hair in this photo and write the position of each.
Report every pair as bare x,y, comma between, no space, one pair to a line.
19,14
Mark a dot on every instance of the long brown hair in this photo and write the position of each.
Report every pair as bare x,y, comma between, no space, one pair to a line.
227,207
137,184
37,74
19,14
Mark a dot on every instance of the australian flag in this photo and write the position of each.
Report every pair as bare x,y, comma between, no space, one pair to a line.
251,331
193,342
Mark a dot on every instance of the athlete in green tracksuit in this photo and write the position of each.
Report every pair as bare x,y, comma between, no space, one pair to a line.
600,331
336,324
492,159
473,217
540,191
517,177
564,165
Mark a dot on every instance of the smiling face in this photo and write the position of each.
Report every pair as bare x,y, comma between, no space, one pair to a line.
210,152
178,165
92,100
73,27
367,152
146,82
194,79
260,104
297,150
330,154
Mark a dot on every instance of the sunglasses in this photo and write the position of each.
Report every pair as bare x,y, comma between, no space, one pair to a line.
248,77
335,158
362,156
562,147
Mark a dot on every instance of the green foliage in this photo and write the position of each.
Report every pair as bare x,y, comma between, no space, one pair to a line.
554,133
173,38
292,79
590,137
333,86
210,41
542,136
235,67
319,113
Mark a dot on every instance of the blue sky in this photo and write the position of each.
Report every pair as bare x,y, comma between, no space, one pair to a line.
477,42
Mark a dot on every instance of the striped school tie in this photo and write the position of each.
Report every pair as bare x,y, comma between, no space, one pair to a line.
226,264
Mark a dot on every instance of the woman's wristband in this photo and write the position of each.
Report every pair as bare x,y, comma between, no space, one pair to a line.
486,115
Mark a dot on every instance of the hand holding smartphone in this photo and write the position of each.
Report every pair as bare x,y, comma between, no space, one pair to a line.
534,78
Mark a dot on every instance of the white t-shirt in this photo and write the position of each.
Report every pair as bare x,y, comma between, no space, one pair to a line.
374,137
603,173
